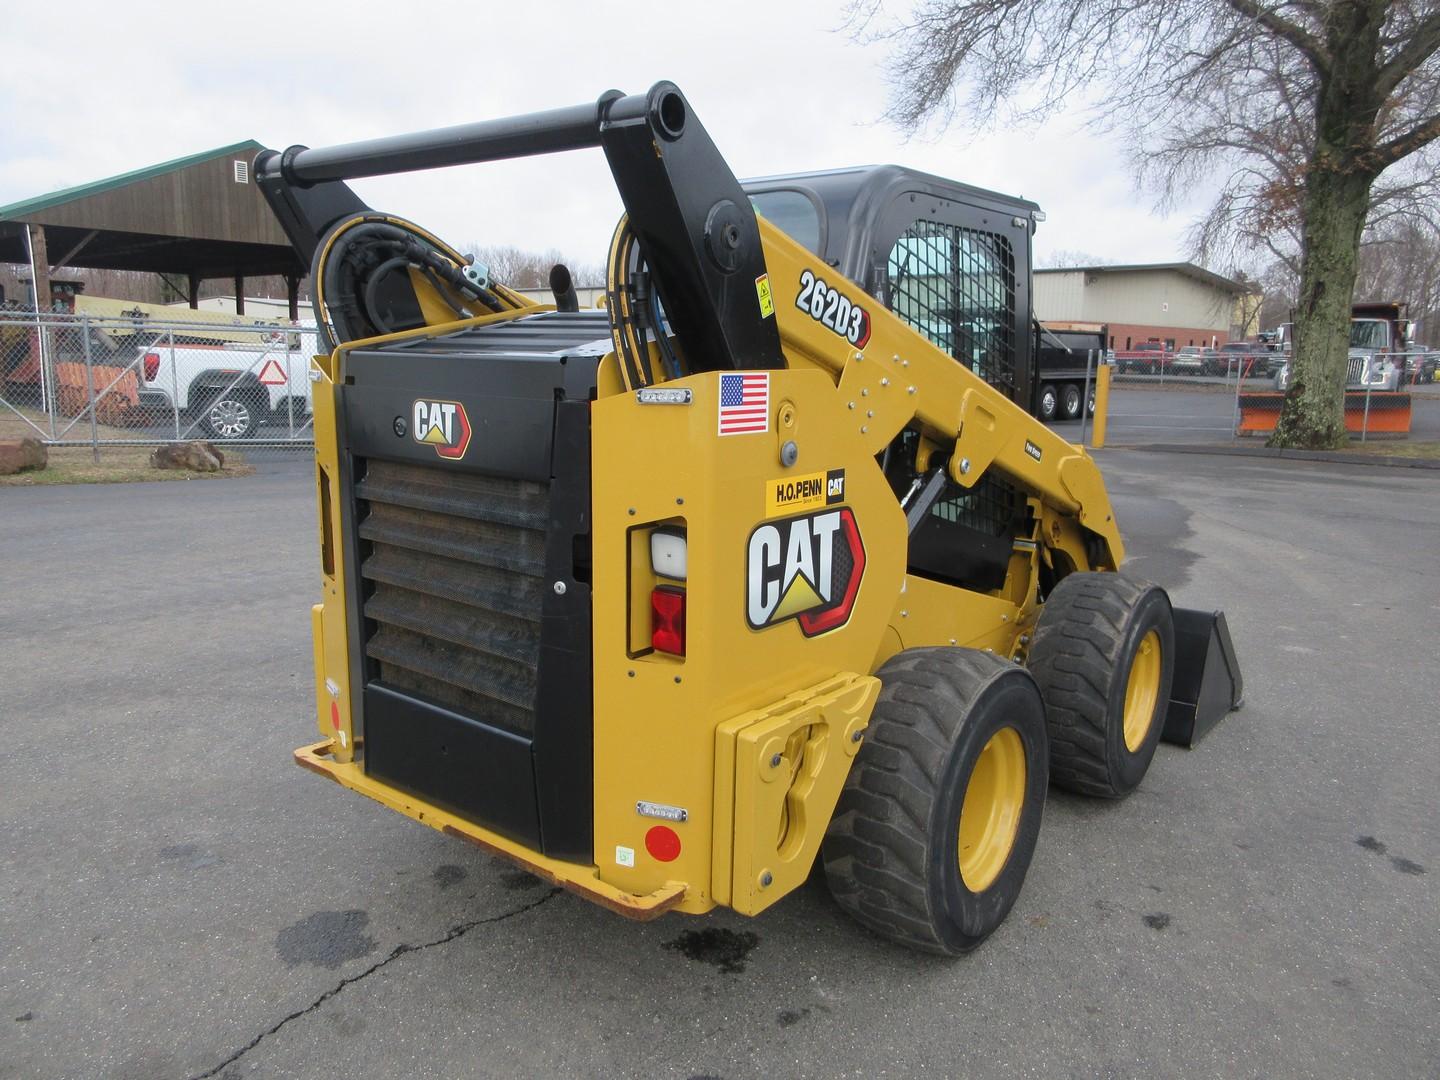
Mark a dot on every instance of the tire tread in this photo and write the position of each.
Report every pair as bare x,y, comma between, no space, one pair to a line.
875,847
1078,640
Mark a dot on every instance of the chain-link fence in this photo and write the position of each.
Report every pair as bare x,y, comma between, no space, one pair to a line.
77,380
1211,396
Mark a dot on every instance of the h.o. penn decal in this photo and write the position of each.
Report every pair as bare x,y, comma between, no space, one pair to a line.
792,493
833,310
805,568
442,426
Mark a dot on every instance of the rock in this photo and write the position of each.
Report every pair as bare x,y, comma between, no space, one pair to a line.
196,456
17,455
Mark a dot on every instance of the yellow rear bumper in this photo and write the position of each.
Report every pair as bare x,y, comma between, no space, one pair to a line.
584,881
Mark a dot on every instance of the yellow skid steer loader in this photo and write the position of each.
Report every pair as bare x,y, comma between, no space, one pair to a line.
761,561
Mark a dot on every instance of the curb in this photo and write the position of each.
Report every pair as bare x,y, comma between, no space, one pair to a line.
1332,456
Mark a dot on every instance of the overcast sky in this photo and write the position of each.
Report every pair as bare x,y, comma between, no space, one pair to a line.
88,90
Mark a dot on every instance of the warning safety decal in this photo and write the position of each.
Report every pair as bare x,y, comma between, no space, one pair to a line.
804,568
762,293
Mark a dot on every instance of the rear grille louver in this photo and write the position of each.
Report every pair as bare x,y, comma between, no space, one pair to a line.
455,565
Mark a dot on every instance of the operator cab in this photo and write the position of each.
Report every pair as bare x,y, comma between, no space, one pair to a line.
952,260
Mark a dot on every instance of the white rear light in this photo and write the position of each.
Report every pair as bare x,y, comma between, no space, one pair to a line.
667,553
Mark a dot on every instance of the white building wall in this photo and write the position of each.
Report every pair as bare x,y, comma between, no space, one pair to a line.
1059,296
1157,298
1142,297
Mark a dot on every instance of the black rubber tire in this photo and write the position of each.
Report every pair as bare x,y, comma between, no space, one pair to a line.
1049,402
891,851
1070,398
1090,403
1089,629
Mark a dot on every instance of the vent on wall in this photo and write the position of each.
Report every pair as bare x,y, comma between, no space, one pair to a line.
242,172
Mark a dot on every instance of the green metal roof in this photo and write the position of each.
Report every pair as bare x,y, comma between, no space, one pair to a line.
57,198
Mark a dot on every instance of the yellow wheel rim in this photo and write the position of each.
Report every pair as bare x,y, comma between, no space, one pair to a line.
990,814
1141,691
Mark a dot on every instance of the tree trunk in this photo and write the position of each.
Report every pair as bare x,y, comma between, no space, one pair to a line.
1338,179
1313,416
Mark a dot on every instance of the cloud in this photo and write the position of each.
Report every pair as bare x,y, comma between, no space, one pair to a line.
778,89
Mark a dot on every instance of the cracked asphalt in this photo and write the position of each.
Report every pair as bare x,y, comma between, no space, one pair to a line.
178,900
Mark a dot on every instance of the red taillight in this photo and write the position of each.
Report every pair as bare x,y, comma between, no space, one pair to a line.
152,366
667,619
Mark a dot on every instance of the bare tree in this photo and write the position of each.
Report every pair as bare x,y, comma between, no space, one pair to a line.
1065,259
1293,111
521,269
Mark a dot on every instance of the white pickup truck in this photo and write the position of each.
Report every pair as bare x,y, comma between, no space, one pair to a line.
228,390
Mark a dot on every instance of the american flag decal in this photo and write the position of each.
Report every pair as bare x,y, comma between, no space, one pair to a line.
744,403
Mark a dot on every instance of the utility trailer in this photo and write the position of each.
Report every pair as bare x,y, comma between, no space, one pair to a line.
667,601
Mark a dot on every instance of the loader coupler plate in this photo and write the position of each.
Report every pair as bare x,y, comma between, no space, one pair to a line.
1207,682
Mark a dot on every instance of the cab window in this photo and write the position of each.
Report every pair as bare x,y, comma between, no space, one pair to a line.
792,212
957,287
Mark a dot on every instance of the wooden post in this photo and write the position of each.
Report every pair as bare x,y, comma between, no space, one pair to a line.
39,267
194,291
239,293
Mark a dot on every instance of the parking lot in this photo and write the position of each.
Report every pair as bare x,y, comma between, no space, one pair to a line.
181,901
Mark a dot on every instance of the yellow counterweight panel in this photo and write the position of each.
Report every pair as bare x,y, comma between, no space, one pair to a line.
656,715
778,774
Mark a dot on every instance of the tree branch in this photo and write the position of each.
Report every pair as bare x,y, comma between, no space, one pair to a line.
1284,29
1423,43
1405,144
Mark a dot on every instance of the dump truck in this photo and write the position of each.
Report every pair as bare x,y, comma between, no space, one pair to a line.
1067,359
1380,356
671,602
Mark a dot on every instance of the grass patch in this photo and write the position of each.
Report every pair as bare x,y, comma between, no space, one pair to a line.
117,465
1427,449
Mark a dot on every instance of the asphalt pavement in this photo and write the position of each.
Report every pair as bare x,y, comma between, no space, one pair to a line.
177,899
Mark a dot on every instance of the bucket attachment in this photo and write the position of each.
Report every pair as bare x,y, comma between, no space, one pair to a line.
1207,682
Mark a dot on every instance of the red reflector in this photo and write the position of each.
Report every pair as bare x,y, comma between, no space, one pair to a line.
662,843
667,620
335,715
152,366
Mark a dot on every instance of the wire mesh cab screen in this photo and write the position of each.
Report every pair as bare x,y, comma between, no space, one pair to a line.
957,287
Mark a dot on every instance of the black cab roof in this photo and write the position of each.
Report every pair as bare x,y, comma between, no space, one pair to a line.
850,204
